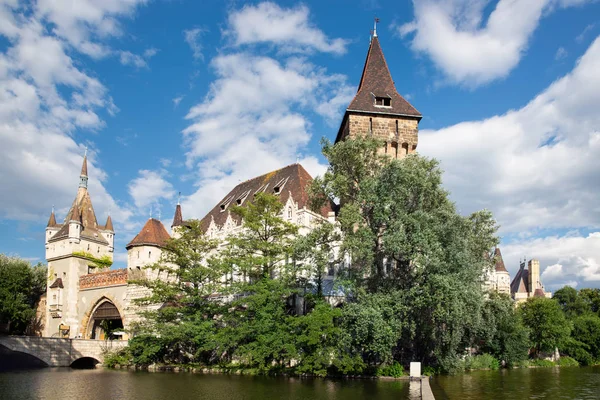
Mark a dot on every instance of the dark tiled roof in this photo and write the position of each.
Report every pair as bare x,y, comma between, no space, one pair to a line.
152,234
52,221
82,210
377,81
293,180
521,282
177,218
109,225
499,261
57,284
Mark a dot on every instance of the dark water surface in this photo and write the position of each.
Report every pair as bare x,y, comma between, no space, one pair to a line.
67,384
528,383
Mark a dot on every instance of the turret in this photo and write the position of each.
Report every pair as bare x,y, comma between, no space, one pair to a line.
109,234
177,218
75,225
534,275
52,227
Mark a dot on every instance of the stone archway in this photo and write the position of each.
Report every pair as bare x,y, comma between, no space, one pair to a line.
105,320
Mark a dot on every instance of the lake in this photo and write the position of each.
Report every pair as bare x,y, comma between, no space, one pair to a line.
67,384
528,383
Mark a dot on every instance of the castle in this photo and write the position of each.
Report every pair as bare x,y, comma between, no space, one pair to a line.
83,299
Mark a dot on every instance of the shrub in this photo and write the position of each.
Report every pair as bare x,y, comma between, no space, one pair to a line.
538,362
120,357
482,361
566,361
395,370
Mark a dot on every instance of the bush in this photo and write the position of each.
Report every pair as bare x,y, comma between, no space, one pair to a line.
538,362
483,361
121,358
566,361
395,370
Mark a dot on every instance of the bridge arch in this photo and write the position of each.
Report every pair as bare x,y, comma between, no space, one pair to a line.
103,319
14,359
85,363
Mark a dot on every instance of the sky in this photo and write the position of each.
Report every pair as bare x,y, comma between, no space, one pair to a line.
185,96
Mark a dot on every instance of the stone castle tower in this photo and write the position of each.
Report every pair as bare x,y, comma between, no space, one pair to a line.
378,110
66,247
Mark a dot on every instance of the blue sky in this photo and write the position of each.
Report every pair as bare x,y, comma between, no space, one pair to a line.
194,96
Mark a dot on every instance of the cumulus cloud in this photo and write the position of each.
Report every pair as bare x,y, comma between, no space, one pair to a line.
536,167
192,38
46,101
571,259
136,60
289,28
468,49
150,187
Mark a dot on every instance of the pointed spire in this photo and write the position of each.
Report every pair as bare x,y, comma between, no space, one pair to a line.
83,176
499,261
52,220
177,218
109,225
376,82
375,27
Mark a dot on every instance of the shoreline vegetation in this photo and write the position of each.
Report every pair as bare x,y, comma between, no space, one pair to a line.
407,274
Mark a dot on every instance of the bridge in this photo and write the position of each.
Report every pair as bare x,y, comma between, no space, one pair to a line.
58,352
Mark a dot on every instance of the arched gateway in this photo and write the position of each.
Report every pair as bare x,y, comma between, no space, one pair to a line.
105,322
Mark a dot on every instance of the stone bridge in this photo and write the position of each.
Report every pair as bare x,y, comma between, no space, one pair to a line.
58,352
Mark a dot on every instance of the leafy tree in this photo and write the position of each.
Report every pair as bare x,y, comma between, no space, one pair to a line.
592,298
586,334
20,289
546,322
265,244
503,334
571,302
404,234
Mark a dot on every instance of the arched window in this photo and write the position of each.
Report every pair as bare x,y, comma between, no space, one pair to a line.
290,212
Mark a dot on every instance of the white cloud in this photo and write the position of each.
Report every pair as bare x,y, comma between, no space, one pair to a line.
129,58
192,38
536,167
289,28
252,121
561,53
150,187
46,101
468,49
584,33
572,259
177,100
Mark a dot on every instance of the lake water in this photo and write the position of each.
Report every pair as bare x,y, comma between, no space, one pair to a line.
99,384
528,383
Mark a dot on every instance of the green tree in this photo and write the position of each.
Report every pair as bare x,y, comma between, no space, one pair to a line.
20,289
503,334
181,283
265,245
571,302
546,322
585,339
404,234
592,298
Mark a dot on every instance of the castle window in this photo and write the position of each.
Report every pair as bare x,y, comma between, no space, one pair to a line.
149,254
88,247
289,212
371,126
280,185
241,199
98,249
383,101
225,204
397,132
138,254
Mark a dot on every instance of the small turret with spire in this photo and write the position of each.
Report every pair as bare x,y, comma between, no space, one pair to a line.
83,176
178,217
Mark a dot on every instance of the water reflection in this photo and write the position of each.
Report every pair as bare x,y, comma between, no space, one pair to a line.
66,384
533,383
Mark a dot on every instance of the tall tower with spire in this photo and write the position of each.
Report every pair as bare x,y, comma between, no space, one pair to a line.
70,246
378,110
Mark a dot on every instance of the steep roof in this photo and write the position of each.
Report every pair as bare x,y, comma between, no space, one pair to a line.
292,180
109,225
376,81
521,282
539,292
52,221
58,283
82,211
84,166
177,218
499,261
152,234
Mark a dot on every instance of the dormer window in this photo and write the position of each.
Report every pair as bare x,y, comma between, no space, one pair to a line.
225,203
279,186
241,199
383,101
